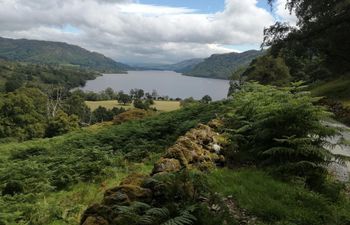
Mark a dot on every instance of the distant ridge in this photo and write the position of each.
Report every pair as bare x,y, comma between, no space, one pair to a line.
221,66
48,52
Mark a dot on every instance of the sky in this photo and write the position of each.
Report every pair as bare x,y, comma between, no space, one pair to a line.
144,31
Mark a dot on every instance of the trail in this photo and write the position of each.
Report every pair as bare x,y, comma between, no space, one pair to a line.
340,170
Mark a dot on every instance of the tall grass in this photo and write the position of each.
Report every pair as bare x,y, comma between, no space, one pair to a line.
276,202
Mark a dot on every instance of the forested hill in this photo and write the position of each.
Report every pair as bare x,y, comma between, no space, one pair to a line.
180,67
186,65
47,52
14,75
222,65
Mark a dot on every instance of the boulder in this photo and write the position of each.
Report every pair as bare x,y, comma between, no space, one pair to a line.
166,165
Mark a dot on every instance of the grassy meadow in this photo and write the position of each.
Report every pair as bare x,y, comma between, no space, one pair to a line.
164,106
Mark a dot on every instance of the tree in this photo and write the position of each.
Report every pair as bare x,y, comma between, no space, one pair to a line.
206,99
110,93
124,98
139,104
154,94
323,31
14,83
188,102
137,93
54,101
22,114
61,124
75,105
268,70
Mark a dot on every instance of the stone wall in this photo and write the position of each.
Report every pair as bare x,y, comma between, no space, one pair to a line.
200,148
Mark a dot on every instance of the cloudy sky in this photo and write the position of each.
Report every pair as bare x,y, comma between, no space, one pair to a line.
144,31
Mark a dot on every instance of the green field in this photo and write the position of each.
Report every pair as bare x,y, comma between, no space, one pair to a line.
165,106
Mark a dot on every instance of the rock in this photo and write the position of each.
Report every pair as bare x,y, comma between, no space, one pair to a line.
116,198
136,193
134,179
95,221
216,123
217,148
215,208
166,165
98,211
200,148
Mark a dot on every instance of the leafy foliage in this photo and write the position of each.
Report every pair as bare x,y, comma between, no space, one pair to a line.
323,28
25,114
268,70
282,129
48,165
141,213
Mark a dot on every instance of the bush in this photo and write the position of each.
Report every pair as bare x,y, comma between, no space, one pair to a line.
61,124
281,129
12,188
133,114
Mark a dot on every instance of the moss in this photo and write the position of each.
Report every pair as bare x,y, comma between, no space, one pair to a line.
134,179
216,123
166,165
176,152
95,221
136,193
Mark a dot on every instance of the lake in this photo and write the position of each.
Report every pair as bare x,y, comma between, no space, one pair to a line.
166,83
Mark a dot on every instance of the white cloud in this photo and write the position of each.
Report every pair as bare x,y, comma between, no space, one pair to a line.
284,14
129,31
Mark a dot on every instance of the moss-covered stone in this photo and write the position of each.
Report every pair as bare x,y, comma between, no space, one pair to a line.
135,193
166,165
216,123
95,221
134,179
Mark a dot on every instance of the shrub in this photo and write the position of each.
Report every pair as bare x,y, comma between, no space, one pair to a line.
12,188
61,124
134,114
281,129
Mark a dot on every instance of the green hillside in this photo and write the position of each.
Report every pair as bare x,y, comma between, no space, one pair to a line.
16,74
186,65
222,65
47,52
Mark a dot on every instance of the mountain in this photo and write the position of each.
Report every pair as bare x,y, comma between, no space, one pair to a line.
185,66
58,53
221,66
180,67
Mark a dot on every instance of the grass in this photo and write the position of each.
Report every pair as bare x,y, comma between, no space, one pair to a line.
165,106
66,207
107,104
337,89
62,176
346,103
275,202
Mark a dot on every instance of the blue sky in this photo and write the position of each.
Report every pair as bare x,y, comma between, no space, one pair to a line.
203,6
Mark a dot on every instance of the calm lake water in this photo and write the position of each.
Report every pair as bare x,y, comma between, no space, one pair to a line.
166,83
